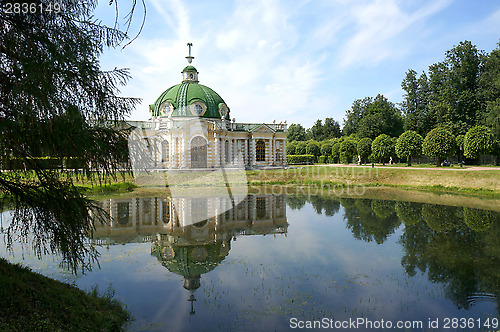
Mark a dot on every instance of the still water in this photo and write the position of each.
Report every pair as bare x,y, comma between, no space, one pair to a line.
276,262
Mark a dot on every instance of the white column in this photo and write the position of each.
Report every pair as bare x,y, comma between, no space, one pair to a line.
252,152
217,150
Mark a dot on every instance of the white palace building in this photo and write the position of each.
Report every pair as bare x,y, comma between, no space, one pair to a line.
191,128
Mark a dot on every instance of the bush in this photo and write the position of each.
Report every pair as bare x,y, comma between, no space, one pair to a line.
322,159
348,149
478,140
439,143
364,148
382,147
300,159
408,145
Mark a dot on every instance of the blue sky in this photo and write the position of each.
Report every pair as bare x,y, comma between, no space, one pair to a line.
295,60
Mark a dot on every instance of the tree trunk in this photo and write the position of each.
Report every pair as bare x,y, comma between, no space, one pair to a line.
409,161
439,162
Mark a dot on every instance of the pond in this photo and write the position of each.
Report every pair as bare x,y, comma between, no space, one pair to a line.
276,262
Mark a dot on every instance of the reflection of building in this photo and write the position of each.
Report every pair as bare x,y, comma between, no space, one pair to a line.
195,249
191,128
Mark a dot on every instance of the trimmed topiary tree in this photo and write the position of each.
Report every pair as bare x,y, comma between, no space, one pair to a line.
336,152
364,148
478,140
348,149
326,148
439,143
312,147
300,148
382,147
290,148
409,144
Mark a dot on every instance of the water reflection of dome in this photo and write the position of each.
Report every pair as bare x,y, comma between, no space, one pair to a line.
190,261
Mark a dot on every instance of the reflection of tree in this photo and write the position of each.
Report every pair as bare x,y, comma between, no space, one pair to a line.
480,220
441,217
409,212
370,220
296,202
453,254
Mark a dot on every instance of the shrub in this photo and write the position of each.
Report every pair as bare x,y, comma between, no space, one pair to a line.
364,148
300,159
382,147
439,143
322,159
409,144
478,140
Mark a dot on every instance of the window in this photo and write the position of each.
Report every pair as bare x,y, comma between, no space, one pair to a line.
260,150
164,151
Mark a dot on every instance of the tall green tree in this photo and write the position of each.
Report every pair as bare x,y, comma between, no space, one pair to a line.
296,133
57,101
489,92
331,129
415,104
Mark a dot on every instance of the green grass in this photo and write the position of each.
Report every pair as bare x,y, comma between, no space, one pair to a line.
32,302
477,182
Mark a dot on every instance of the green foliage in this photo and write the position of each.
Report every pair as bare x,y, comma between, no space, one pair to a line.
312,147
300,148
326,148
409,145
383,147
300,159
347,150
336,152
480,220
439,143
290,147
372,117
478,140
323,159
296,133
51,93
364,148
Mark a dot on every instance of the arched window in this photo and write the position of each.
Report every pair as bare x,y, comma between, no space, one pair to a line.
260,151
165,149
198,152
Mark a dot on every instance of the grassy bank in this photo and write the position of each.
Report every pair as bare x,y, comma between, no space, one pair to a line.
477,182
32,302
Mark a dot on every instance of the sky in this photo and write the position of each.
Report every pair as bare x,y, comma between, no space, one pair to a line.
293,60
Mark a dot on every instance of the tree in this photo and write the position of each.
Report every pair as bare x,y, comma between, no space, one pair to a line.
52,90
331,129
354,115
326,148
382,147
478,140
415,105
459,140
364,148
408,145
439,143
312,147
336,152
296,133
347,150
489,92
290,148
300,148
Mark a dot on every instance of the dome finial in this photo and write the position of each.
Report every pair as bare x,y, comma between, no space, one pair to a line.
189,57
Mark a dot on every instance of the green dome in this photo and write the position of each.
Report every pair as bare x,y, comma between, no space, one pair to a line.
189,68
182,100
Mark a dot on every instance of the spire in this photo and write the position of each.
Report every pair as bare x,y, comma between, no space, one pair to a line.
189,57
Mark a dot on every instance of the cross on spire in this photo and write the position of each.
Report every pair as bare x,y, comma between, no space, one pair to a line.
189,57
